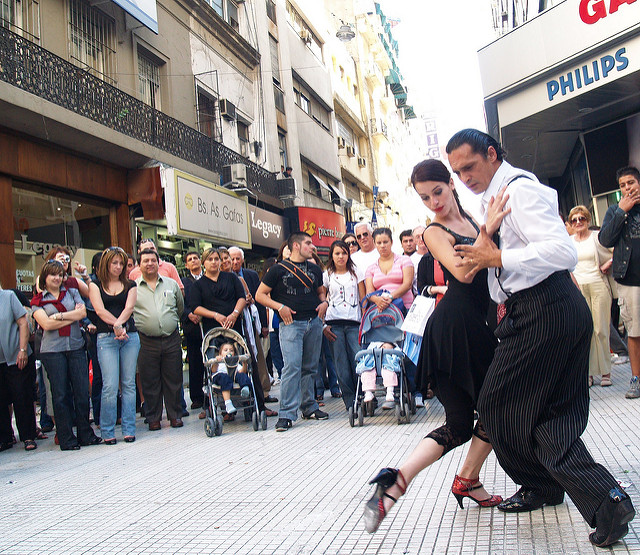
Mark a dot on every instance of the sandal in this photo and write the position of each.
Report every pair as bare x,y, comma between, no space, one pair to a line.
605,381
30,445
40,434
374,511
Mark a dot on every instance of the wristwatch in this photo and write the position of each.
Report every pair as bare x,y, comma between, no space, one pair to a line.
23,350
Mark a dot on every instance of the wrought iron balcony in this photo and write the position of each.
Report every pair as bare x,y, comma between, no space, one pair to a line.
34,69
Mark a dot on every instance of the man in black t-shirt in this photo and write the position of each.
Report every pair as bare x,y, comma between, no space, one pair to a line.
293,288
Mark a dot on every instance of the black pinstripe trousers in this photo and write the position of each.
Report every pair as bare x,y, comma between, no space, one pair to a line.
535,399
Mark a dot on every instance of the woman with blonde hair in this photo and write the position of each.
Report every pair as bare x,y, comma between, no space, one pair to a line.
594,261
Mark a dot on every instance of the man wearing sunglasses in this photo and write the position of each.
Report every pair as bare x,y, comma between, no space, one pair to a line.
621,230
368,254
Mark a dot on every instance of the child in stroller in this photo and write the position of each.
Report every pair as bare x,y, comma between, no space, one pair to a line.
366,368
227,360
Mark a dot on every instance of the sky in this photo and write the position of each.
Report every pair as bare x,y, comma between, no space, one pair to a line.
438,42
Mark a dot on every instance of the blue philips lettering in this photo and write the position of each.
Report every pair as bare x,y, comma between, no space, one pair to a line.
566,83
607,63
622,60
552,88
585,76
578,78
596,70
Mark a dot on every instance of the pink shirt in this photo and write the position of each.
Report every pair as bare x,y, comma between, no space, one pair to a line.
165,269
393,279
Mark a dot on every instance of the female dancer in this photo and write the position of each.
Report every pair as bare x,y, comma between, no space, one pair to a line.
456,351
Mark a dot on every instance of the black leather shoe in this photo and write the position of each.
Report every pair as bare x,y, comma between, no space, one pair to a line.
95,440
75,447
525,500
270,399
612,518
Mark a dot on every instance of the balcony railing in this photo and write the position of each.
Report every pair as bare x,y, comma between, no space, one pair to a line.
31,68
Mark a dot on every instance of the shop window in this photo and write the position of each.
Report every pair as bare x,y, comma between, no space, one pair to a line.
21,17
149,80
243,138
42,221
93,42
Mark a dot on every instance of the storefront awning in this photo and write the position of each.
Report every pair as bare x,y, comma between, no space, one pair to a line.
321,182
336,190
409,113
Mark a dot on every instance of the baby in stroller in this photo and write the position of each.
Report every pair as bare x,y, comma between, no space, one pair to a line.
366,368
227,360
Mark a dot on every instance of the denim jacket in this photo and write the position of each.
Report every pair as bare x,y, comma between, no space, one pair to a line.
615,233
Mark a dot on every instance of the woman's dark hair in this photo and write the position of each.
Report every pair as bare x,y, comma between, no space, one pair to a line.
350,235
434,170
477,140
382,231
51,255
103,268
95,262
331,267
51,267
281,250
317,260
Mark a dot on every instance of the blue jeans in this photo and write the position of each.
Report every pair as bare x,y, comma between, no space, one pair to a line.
344,350
118,359
300,341
326,374
68,373
276,353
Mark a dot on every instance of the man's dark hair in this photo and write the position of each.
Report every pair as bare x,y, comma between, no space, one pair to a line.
296,237
477,140
149,251
406,233
190,253
145,241
628,170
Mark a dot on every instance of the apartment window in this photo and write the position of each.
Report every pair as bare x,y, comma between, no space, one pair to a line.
302,101
21,17
207,116
282,145
275,59
93,42
271,10
243,138
149,81
347,134
278,97
301,27
311,105
227,10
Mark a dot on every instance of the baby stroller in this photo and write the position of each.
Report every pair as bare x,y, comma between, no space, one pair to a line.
214,404
382,326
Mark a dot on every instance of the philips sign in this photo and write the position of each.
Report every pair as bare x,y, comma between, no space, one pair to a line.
588,74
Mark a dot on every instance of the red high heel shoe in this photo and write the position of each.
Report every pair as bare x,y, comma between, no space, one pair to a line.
374,511
463,486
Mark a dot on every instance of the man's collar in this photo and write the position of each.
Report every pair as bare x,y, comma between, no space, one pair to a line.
197,276
239,273
142,280
494,187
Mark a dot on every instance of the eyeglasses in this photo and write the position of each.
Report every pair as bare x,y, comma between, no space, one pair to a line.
119,249
351,244
53,261
365,234
578,219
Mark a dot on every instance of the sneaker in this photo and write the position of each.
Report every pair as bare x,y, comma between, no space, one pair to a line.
230,408
419,401
388,405
283,425
368,396
619,359
316,415
244,392
634,388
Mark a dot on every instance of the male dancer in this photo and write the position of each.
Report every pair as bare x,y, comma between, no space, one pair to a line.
535,403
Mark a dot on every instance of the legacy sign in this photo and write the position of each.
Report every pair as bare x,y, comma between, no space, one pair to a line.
207,211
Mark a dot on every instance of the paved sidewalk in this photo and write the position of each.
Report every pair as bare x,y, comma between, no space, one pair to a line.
297,492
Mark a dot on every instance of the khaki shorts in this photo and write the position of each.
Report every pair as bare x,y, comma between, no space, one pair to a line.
629,301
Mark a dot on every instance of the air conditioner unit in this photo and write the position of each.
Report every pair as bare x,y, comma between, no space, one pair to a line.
305,35
235,174
227,110
351,152
341,142
362,162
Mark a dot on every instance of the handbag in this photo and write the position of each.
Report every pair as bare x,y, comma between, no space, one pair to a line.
419,313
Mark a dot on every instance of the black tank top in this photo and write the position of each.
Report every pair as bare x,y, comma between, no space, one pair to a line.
115,304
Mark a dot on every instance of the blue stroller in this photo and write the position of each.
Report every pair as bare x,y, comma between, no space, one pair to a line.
382,326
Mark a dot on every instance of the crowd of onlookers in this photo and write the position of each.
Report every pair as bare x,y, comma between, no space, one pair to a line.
101,346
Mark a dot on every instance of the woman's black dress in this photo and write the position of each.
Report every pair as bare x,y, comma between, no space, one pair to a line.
457,349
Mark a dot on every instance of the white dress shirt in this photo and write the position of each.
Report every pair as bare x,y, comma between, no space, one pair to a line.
533,239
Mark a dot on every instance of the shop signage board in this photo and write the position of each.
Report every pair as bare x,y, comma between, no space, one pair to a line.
200,209
267,229
324,226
